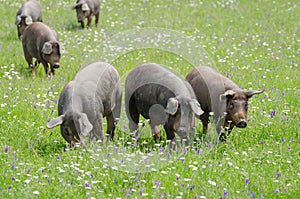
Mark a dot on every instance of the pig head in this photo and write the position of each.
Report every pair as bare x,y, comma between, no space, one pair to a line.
70,124
237,107
51,53
87,9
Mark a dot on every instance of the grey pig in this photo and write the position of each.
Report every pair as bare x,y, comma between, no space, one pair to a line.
95,92
29,12
161,96
87,9
218,94
41,42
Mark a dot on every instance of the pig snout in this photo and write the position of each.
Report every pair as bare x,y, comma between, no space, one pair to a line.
242,123
55,65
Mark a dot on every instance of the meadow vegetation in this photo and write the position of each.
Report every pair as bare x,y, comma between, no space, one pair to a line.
254,43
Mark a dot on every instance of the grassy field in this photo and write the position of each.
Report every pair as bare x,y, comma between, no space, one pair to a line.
255,43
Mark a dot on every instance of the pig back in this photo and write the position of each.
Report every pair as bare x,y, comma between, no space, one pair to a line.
208,85
151,84
98,84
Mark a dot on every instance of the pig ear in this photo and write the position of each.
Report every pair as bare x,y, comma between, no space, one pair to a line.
28,20
55,122
18,20
47,48
254,92
84,124
227,94
76,5
196,107
61,48
85,7
172,106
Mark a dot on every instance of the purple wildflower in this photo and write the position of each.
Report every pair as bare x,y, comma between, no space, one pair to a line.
272,113
261,142
276,190
6,149
9,188
157,183
283,139
292,140
252,194
13,178
58,157
260,195
247,181
277,175
225,193
87,185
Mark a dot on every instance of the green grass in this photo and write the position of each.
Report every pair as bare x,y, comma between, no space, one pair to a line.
255,43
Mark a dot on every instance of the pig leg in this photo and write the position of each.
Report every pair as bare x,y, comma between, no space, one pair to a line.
89,21
99,129
45,66
82,24
170,136
205,120
133,116
110,126
97,19
28,58
52,72
133,123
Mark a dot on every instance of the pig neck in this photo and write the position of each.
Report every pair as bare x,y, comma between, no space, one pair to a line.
230,85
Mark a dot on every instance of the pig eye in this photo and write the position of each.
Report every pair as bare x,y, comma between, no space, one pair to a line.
246,104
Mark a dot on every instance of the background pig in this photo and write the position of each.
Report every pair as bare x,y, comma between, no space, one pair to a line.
161,96
218,94
87,9
94,93
29,12
41,42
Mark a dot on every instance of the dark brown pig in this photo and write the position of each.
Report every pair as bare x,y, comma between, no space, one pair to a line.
41,42
29,12
95,92
218,94
161,96
87,9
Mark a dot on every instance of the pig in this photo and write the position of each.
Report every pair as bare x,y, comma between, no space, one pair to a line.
41,42
94,93
29,12
161,96
87,9
219,95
